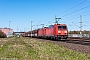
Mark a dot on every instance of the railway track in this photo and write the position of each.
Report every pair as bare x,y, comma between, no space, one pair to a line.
82,41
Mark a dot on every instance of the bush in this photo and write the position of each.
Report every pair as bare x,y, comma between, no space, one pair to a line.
2,34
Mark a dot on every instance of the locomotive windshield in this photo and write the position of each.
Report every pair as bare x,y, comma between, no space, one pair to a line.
61,27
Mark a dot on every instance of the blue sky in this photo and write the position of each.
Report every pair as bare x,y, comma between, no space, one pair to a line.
22,12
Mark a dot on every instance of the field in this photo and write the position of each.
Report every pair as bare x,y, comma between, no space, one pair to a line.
31,49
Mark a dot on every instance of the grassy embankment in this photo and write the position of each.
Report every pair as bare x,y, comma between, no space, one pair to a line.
30,49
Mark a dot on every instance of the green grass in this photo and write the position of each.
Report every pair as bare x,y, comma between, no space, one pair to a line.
30,49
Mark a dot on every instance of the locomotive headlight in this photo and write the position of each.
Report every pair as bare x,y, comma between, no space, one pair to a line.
65,31
59,31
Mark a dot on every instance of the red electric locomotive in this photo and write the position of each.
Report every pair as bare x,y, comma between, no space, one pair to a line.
61,31
57,31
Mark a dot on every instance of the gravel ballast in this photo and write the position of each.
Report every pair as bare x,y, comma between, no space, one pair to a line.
72,46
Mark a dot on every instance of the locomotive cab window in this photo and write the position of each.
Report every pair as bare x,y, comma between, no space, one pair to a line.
61,27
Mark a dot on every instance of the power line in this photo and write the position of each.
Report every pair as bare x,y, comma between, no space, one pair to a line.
76,11
73,7
78,14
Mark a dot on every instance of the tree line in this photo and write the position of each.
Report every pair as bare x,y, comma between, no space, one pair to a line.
78,32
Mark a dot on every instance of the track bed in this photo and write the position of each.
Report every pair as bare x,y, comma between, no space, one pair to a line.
78,44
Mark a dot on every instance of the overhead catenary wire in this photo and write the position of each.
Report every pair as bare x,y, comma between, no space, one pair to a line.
67,10
75,11
70,13
73,7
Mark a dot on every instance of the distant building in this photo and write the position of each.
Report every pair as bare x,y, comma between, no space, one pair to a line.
19,33
7,31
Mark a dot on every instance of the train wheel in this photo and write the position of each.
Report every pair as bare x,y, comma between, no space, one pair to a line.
56,39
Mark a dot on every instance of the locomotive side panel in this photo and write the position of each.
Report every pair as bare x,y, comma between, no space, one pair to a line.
50,31
40,32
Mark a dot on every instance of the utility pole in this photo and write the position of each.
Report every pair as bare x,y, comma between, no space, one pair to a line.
17,28
37,26
56,20
81,26
31,29
20,30
9,25
24,29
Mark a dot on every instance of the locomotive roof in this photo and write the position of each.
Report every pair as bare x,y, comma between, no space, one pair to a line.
40,28
50,26
60,24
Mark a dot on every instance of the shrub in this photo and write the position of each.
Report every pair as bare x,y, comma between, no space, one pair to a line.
2,34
